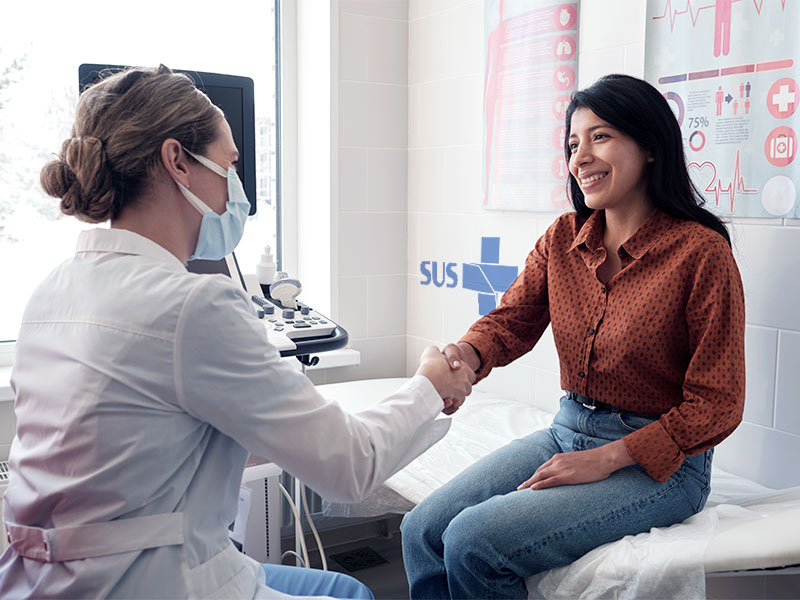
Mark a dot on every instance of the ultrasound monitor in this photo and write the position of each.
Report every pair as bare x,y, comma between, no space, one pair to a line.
232,93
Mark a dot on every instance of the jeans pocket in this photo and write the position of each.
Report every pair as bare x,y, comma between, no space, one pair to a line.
631,422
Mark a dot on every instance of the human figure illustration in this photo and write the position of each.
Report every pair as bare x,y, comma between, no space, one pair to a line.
722,27
735,106
491,85
747,106
719,97
741,90
747,89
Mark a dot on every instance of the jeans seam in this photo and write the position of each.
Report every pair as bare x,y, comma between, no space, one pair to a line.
564,531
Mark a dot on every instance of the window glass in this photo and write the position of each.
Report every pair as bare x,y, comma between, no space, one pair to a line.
42,43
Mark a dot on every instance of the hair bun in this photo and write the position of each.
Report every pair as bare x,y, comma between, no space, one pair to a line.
81,177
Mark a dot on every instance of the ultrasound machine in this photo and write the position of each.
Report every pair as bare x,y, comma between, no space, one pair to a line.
294,328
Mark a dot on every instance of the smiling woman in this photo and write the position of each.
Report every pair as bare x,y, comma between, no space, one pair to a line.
647,313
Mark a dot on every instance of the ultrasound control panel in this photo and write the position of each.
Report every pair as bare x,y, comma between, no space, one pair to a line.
298,331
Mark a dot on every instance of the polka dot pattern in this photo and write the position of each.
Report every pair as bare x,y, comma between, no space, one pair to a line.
665,336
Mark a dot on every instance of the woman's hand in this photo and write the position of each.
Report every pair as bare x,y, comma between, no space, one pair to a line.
461,354
584,466
453,385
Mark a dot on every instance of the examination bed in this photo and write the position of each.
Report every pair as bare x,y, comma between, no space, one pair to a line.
745,526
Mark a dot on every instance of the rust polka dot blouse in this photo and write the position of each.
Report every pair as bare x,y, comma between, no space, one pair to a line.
665,336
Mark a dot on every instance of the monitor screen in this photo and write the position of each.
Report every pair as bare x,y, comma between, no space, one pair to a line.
232,93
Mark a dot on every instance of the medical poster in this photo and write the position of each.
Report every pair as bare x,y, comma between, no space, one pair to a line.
729,70
530,71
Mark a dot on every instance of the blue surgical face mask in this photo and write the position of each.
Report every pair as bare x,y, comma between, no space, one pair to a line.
219,234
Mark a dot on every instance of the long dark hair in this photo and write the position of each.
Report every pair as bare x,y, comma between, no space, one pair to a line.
638,110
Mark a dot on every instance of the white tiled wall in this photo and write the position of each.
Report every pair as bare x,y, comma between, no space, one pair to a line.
445,223
373,185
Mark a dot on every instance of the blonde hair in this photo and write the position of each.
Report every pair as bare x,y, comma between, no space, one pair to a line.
120,126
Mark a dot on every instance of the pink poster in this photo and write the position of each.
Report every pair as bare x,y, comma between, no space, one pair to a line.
530,72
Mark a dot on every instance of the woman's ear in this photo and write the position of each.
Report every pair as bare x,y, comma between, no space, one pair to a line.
175,161
650,157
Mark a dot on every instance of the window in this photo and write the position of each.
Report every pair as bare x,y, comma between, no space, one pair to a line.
39,59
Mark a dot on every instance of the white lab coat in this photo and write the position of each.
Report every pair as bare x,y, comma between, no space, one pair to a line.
140,388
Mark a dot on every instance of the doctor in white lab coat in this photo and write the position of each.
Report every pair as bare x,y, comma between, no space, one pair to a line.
140,388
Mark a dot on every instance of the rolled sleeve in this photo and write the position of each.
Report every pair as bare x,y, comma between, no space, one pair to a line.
714,384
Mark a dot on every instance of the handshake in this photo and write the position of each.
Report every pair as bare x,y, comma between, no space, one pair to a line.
451,371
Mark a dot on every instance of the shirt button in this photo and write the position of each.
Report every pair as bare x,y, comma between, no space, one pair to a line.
590,331
581,374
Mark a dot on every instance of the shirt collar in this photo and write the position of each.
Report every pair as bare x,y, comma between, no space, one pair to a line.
591,233
648,234
122,241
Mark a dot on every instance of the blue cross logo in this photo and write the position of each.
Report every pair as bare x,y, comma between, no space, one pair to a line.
489,278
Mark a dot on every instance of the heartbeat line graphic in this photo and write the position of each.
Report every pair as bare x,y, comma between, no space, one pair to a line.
693,13
715,186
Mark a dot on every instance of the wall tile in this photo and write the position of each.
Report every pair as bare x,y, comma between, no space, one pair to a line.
450,111
353,47
353,305
4,450
372,244
426,307
761,346
463,179
792,222
413,352
426,179
548,390
634,59
386,305
352,179
544,355
389,9
413,243
514,381
387,57
761,454
593,64
317,376
387,179
380,358
373,115
767,258
418,9
427,52
611,22
787,397
464,40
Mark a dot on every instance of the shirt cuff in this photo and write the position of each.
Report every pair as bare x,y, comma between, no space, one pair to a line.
485,348
654,449
422,386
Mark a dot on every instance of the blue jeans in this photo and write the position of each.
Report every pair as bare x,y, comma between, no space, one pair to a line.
297,581
477,537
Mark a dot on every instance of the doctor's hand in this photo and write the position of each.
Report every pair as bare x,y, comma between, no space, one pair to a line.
584,466
452,385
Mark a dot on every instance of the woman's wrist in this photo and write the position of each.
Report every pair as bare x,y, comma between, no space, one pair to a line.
616,455
470,355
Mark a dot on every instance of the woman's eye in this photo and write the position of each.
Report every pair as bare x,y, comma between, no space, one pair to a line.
600,136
